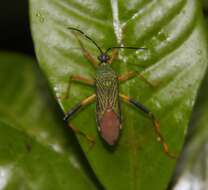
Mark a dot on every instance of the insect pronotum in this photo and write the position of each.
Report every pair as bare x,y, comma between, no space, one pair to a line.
107,96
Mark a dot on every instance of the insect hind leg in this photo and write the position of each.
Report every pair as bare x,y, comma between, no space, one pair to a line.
86,136
155,122
78,106
74,110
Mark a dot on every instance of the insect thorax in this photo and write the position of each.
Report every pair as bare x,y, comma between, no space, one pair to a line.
105,76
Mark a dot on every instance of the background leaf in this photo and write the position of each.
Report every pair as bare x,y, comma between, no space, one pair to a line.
36,151
192,170
173,33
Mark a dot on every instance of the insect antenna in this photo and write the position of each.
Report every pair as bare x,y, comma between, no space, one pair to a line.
81,32
111,48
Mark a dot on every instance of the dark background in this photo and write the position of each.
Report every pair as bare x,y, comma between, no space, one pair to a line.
14,28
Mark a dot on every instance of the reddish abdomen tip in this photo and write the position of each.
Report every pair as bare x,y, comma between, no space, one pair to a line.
110,127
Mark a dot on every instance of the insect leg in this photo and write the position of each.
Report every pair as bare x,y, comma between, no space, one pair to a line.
79,79
87,54
78,106
114,56
132,74
78,131
155,122
75,109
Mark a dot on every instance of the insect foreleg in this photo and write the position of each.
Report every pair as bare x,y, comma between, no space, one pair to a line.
79,79
77,107
87,54
132,74
114,56
155,122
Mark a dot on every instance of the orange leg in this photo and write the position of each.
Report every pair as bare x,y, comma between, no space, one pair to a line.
79,79
74,110
78,131
132,74
155,122
77,107
87,54
113,56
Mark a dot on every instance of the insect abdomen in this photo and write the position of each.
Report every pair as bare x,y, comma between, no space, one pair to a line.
110,126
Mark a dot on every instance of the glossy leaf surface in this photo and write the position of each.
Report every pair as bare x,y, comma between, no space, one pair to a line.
193,168
175,61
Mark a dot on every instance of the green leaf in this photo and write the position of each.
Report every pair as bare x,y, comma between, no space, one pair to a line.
193,167
36,152
175,61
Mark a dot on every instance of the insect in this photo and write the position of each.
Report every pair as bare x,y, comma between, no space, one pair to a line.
107,96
